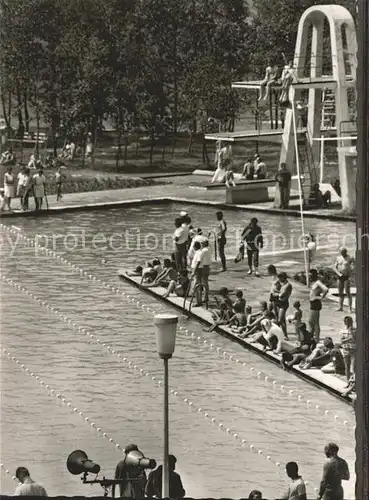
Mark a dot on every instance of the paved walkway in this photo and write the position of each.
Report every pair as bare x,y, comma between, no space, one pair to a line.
179,188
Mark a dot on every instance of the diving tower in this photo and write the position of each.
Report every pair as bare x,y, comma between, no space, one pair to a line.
316,84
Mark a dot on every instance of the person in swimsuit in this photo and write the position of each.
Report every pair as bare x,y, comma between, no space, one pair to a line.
167,275
283,301
343,267
221,239
335,470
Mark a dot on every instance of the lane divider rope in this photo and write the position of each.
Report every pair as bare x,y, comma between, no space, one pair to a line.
134,367
300,398
66,402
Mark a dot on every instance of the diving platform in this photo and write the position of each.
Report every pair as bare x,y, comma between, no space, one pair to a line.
323,82
267,136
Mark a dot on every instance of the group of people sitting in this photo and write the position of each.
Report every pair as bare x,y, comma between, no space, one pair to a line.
253,169
268,327
277,76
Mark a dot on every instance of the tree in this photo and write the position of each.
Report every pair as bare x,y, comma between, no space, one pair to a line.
274,26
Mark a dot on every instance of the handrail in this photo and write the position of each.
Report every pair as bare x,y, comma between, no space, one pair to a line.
203,288
197,286
187,293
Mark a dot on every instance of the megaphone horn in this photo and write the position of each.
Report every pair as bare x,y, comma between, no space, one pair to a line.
78,462
136,459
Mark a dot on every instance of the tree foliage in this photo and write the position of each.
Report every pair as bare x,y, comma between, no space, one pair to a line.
154,66
274,27
144,63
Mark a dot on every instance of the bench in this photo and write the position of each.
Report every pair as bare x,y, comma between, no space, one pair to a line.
31,138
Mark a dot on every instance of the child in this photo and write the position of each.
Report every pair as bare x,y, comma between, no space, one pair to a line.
240,303
241,253
296,319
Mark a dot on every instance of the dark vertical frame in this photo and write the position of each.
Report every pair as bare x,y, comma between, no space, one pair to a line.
362,304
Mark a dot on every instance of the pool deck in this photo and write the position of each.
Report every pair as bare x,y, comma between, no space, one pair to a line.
256,289
179,190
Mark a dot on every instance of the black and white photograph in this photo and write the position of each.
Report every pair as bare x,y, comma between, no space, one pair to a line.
184,248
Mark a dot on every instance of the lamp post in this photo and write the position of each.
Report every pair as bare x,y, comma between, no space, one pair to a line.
165,327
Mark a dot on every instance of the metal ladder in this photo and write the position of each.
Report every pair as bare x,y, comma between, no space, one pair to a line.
192,296
328,109
307,167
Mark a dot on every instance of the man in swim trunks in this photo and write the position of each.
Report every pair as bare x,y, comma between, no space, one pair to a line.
335,470
283,301
343,268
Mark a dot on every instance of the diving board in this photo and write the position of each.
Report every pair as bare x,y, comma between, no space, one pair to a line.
269,136
326,82
242,136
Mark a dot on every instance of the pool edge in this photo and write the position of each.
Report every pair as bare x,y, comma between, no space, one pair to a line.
265,355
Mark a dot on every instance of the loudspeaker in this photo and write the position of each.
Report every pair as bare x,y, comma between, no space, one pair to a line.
136,459
78,462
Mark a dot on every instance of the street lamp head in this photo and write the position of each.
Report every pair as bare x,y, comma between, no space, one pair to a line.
165,327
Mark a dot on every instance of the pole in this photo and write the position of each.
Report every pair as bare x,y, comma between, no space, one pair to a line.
321,160
165,486
300,190
362,256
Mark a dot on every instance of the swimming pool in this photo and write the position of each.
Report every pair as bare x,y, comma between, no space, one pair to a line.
39,431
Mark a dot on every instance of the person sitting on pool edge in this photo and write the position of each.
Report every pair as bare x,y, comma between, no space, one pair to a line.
152,271
256,318
167,275
223,312
320,356
317,199
179,286
238,308
304,348
270,336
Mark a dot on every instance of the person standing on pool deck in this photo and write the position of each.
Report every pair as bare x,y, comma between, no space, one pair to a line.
155,482
283,178
335,470
221,239
297,488
317,292
180,238
39,181
283,301
343,268
253,237
28,487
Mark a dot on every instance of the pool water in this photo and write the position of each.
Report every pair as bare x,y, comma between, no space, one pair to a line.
39,432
